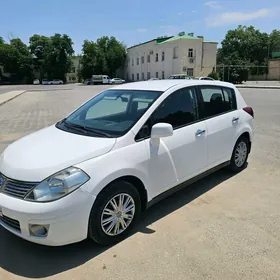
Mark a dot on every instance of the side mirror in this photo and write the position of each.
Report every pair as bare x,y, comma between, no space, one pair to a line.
160,130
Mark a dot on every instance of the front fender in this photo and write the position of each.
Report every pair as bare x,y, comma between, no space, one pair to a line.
111,166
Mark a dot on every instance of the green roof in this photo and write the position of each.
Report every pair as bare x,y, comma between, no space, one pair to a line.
208,41
180,37
164,40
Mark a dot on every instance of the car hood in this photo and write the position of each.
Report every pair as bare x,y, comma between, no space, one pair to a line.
47,151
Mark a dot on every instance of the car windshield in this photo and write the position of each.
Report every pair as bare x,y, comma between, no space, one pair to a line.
110,114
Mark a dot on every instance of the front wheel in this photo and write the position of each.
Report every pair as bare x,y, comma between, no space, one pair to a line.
239,155
114,213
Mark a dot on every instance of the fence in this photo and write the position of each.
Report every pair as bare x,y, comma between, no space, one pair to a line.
249,72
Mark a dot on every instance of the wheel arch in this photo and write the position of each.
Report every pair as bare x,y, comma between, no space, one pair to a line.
137,183
246,134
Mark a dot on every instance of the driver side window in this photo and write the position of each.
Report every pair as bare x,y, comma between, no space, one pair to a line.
178,109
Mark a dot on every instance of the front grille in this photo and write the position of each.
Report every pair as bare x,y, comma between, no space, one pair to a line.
10,222
16,188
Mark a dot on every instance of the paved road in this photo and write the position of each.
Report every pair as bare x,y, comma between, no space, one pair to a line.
6,88
224,227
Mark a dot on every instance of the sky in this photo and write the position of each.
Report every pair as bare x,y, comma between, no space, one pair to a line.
133,23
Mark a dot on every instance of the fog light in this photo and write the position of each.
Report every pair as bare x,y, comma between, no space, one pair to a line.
39,230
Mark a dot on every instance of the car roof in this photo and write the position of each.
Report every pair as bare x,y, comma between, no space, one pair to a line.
163,85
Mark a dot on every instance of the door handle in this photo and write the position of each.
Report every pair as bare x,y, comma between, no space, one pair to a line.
235,119
199,132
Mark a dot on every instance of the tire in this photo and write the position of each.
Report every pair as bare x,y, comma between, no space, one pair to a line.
97,231
242,145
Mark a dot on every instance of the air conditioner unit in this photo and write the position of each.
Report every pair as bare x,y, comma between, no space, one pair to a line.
151,52
191,60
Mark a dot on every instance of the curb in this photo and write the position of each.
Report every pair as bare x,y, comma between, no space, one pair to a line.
260,87
9,99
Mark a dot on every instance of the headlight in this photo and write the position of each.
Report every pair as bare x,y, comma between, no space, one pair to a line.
58,185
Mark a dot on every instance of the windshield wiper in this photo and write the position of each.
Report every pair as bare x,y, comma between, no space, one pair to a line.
87,129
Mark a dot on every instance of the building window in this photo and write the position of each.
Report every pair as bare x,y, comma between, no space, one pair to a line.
162,75
190,72
156,74
137,60
132,62
156,57
148,75
142,59
190,54
148,58
162,56
175,52
132,77
143,76
137,76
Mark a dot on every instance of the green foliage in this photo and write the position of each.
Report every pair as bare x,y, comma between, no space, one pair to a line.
16,59
105,56
214,75
52,55
243,48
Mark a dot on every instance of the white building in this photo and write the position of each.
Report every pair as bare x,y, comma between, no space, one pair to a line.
162,57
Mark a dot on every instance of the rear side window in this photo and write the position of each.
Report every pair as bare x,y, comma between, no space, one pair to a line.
217,100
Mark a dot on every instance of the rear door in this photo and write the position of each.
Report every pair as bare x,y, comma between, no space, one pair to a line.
222,120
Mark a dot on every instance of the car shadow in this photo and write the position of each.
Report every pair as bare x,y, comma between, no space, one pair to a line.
30,260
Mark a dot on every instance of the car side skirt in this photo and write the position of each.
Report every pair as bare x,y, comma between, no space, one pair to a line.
186,183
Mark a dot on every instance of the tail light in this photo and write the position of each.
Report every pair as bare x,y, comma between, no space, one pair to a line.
249,110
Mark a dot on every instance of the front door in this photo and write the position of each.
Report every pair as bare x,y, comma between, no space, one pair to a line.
222,121
183,155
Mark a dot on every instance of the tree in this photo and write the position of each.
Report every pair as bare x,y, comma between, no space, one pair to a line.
58,57
88,60
244,47
274,41
39,47
105,56
52,55
16,60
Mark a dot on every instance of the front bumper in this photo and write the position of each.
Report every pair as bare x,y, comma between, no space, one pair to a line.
67,218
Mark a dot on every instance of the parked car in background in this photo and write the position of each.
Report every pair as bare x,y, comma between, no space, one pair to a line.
45,82
204,78
98,80
119,153
180,77
36,82
56,82
117,81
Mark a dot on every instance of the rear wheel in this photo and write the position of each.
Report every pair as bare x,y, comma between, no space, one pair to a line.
114,213
239,155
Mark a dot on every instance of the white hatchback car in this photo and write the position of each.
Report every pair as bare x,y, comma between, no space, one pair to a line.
94,172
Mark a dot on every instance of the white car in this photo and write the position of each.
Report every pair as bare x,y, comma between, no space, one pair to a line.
56,82
117,81
94,172
45,82
36,82
204,78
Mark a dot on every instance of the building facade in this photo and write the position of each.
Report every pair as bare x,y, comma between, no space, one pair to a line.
72,77
162,57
